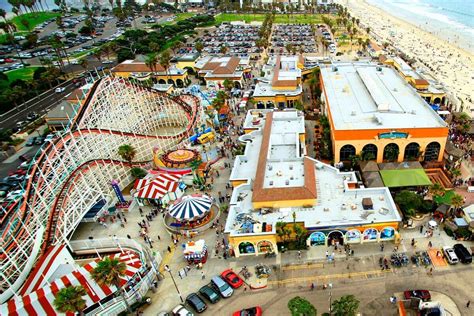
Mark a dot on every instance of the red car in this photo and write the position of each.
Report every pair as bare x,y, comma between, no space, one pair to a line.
232,278
424,295
252,311
9,60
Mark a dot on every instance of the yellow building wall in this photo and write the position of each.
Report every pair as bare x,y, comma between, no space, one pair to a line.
174,77
284,88
381,143
276,99
236,183
234,242
184,64
283,203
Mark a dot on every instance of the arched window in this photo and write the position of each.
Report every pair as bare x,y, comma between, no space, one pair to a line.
390,152
369,152
432,151
346,151
412,151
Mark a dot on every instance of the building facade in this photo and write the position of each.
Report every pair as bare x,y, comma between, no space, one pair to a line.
373,112
215,70
138,70
281,85
276,187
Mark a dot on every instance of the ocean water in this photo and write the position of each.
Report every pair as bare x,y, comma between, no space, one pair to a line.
452,20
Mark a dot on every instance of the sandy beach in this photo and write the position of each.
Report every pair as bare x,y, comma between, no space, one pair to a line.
451,66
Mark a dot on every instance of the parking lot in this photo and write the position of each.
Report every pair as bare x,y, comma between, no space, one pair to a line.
240,39
300,36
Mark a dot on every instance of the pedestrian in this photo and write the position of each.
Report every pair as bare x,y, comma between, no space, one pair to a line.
125,219
128,236
468,303
312,286
381,247
430,244
430,273
245,288
421,229
413,242
299,254
141,211
327,254
159,238
169,249
202,275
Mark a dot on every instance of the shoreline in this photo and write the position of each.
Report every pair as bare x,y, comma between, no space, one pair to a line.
450,65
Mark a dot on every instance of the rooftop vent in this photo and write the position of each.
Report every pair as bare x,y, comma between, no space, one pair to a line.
291,167
271,183
353,113
270,168
379,68
334,68
287,182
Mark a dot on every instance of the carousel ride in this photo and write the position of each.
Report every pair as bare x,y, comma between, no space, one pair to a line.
190,214
177,159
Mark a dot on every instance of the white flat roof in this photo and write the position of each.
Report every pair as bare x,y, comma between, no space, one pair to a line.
369,96
337,205
264,89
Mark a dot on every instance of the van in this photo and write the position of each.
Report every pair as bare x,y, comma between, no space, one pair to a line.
450,255
222,287
463,254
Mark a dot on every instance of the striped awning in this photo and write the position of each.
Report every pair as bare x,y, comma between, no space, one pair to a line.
190,207
157,187
40,302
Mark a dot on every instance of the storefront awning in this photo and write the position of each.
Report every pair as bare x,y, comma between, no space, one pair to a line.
404,178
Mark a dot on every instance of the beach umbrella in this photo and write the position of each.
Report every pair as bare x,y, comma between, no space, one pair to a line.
190,207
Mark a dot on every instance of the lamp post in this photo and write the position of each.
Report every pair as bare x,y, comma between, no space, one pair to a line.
167,268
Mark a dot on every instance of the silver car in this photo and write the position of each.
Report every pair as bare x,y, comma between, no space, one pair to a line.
450,255
224,289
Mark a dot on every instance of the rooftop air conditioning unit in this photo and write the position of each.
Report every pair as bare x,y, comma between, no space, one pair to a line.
287,182
334,68
379,68
353,113
271,183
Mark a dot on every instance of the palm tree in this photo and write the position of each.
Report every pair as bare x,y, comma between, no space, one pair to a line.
456,173
3,14
127,152
199,46
151,61
138,172
457,201
367,29
360,41
223,49
437,189
345,306
165,61
69,300
109,272
194,167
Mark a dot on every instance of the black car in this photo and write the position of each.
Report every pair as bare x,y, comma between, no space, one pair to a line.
39,140
32,116
30,142
210,294
196,302
463,254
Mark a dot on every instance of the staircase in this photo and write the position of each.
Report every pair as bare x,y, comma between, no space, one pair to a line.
437,175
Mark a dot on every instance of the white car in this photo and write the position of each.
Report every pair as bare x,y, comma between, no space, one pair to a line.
105,62
60,89
450,255
49,137
180,310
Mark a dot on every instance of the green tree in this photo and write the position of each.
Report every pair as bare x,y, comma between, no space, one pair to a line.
298,105
345,306
151,61
227,84
300,306
199,46
69,300
138,173
84,63
194,167
165,61
409,202
437,189
109,272
457,201
127,152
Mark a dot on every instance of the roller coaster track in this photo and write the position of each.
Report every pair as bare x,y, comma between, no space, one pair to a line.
20,226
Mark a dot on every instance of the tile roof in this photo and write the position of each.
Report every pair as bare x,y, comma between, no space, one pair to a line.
136,67
261,194
229,68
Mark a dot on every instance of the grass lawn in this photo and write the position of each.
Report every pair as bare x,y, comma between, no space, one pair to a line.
33,18
22,73
279,18
446,198
179,17
3,37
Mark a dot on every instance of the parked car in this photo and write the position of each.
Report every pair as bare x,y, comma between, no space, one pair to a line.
39,140
424,295
30,142
210,294
224,289
32,116
196,302
232,278
60,89
24,158
49,138
180,310
252,311
463,254
450,255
